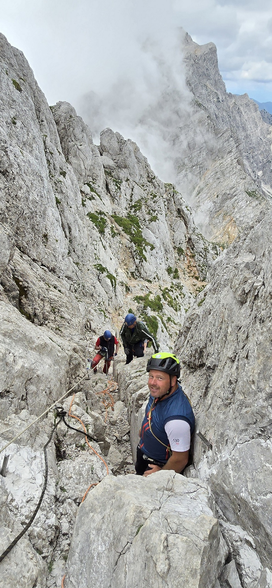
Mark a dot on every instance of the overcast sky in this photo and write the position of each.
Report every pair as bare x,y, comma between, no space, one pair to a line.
107,57
75,46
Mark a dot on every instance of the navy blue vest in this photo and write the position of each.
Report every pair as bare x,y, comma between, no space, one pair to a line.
109,344
157,414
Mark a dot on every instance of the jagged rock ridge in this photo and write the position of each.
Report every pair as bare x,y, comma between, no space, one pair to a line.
234,173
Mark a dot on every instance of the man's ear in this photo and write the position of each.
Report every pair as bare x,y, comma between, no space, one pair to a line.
173,380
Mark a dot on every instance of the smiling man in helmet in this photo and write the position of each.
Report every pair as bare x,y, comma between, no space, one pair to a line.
165,435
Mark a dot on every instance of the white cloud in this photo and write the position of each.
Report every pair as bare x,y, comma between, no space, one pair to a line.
259,72
79,46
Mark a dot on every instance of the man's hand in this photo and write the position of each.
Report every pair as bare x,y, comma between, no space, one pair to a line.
151,469
176,462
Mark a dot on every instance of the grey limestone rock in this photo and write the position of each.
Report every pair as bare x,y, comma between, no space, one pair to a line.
233,154
134,531
31,358
27,567
227,373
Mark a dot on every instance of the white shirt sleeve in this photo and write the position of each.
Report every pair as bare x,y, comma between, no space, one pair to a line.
179,434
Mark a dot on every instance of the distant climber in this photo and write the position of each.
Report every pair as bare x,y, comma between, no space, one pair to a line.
107,346
134,335
168,424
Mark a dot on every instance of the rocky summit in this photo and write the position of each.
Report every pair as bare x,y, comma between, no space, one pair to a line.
88,233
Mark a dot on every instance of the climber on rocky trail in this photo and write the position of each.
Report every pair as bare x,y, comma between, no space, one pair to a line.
168,424
134,335
107,347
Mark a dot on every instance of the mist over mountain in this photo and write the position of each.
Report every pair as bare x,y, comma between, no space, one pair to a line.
182,118
93,229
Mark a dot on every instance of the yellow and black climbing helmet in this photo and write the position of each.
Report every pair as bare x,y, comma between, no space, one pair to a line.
164,362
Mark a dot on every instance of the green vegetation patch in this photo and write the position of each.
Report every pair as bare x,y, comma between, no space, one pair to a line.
117,183
170,320
99,220
131,227
200,288
137,205
201,302
103,270
173,272
113,232
92,190
126,286
252,194
180,251
155,304
138,530
151,323
167,296
179,288
170,187
17,85
153,218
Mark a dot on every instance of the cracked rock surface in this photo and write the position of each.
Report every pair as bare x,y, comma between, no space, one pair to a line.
134,531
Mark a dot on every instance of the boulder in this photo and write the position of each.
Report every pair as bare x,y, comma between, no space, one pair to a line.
158,531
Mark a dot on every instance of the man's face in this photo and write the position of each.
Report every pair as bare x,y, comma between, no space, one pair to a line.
131,326
159,383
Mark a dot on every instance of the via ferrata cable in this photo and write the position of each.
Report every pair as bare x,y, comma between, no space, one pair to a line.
26,527
41,415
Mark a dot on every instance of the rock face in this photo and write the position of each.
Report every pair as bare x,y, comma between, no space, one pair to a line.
227,372
84,230
215,146
34,365
266,116
237,114
237,465
230,153
73,468
133,531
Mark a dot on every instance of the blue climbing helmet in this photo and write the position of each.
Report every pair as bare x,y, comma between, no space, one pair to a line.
130,319
107,335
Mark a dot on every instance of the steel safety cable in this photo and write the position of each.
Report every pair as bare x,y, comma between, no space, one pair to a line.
26,527
41,415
